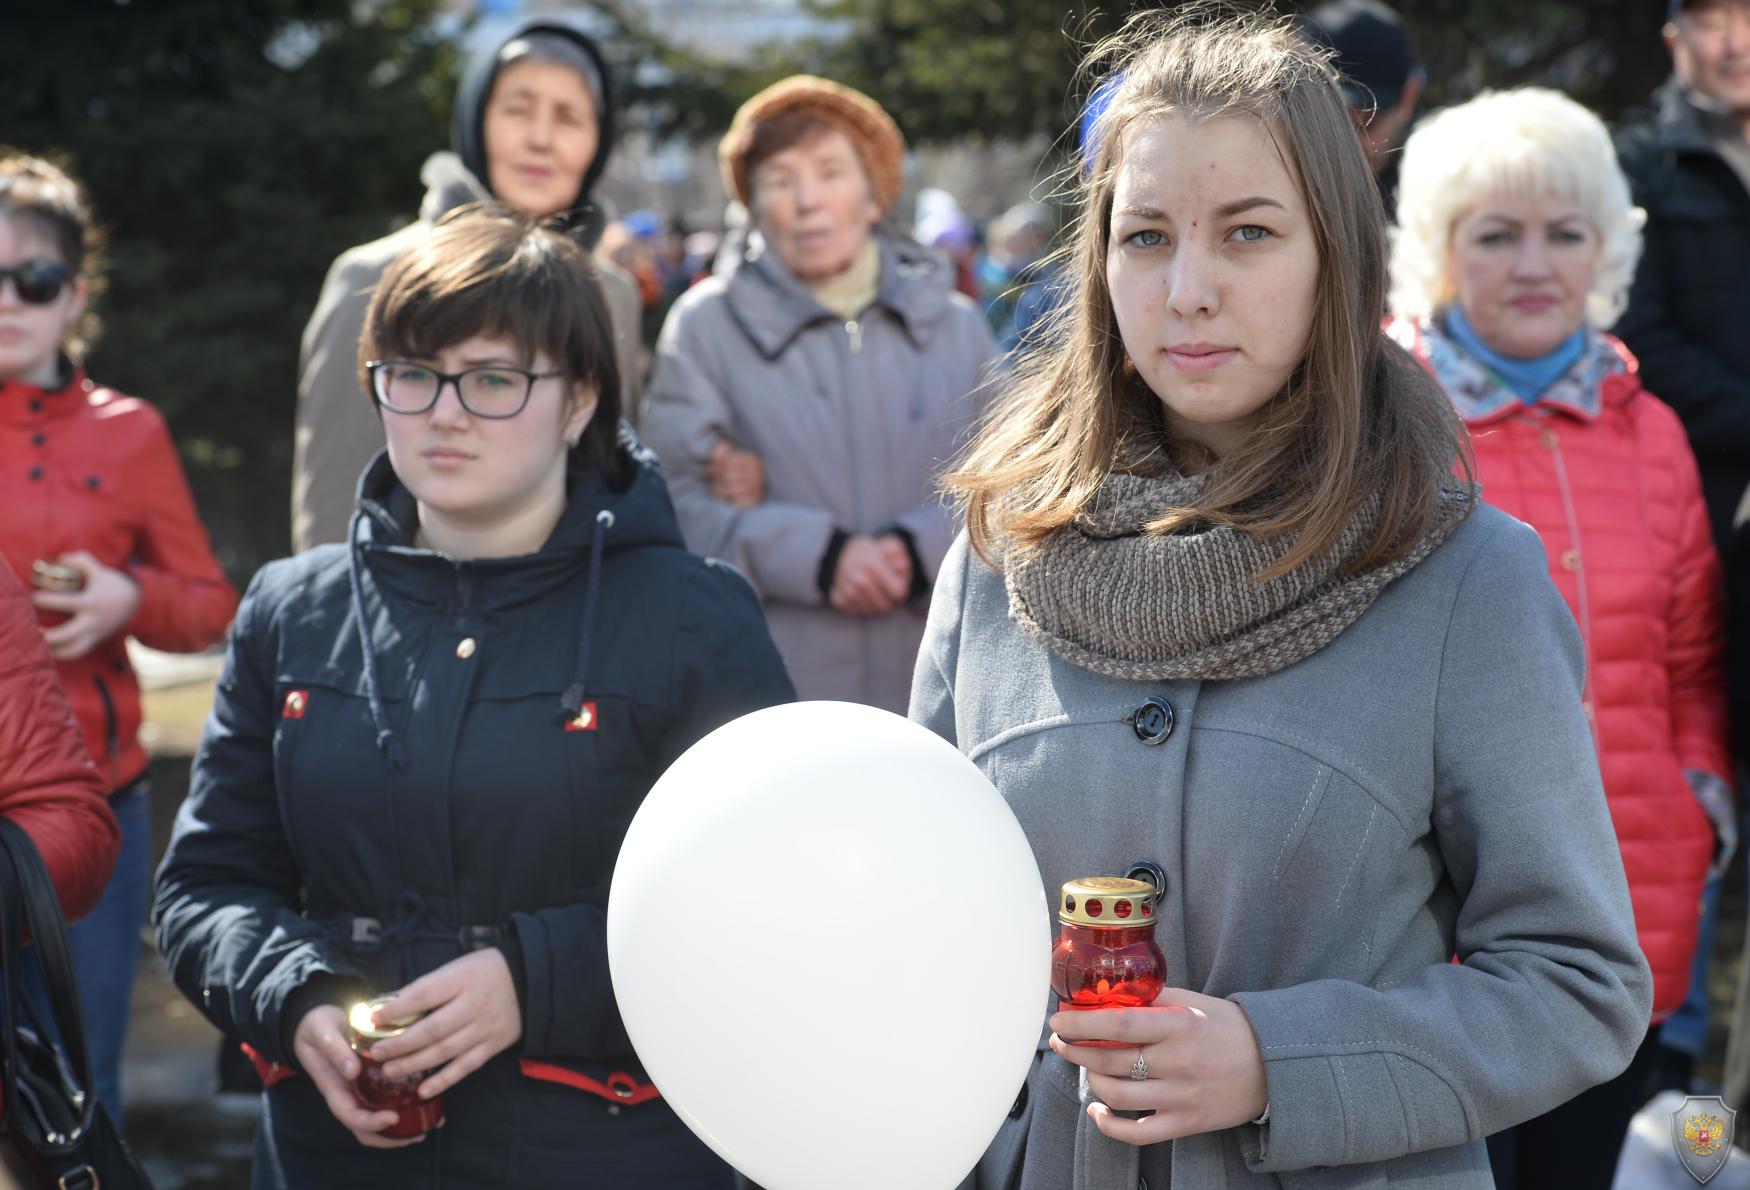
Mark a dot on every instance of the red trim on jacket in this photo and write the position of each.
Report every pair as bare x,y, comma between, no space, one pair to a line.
620,1087
270,1072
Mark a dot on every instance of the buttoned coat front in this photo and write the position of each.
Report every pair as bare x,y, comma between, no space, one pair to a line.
1333,834
854,423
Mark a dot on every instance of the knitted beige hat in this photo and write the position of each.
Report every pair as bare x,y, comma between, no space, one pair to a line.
877,138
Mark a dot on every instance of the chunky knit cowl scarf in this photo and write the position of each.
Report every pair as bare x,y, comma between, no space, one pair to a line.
1106,596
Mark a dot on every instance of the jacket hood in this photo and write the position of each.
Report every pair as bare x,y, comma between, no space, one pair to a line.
772,307
449,184
382,537
467,117
641,510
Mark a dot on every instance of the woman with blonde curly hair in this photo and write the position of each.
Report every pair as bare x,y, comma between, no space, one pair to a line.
1222,605
1516,248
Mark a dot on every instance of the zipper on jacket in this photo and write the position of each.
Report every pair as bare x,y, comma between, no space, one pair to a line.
111,728
1582,605
847,371
464,589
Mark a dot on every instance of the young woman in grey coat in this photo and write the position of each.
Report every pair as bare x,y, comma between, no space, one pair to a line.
1223,606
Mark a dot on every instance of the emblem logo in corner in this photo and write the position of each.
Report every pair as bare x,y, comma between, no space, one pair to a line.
1701,1133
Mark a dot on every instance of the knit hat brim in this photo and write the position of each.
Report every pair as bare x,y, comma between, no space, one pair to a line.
877,138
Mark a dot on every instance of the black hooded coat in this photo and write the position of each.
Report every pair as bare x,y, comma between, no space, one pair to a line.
388,780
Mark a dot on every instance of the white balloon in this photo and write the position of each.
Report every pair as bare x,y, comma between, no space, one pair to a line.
831,947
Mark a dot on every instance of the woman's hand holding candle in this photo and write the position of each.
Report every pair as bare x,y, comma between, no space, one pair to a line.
97,611
322,1052
471,1014
1205,1071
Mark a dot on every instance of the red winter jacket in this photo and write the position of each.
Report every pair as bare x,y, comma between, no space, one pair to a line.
84,468
48,784
1603,471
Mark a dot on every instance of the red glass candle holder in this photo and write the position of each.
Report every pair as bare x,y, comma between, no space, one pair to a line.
1106,955
379,1092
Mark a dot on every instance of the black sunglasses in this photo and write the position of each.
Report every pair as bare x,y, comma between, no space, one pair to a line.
38,282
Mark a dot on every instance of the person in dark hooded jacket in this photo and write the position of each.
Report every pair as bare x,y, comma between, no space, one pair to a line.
428,743
532,127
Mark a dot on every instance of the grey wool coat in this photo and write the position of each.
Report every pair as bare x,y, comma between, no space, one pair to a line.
853,422
1333,834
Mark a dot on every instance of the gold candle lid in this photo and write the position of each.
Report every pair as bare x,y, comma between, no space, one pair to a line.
1110,901
359,1019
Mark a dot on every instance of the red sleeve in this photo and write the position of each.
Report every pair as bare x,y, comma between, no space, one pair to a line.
185,600
1695,651
48,784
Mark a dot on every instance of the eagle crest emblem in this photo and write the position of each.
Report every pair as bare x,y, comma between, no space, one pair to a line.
1701,1133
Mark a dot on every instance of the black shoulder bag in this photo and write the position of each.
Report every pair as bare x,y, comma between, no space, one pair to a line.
49,1115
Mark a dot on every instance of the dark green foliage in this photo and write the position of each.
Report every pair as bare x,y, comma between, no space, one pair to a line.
993,68
231,148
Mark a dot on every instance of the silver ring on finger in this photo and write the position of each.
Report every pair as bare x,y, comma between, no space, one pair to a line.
1139,1068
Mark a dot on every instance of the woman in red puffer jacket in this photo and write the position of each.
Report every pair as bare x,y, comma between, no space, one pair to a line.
48,784
1517,241
96,514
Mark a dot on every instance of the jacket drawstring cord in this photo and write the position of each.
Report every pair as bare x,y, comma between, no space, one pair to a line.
387,741
571,702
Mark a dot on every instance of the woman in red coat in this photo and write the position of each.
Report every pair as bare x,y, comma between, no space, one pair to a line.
48,784
1517,241
96,513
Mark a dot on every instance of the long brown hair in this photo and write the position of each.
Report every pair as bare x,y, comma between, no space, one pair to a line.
1358,416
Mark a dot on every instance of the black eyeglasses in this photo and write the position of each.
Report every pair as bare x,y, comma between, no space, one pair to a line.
497,391
38,282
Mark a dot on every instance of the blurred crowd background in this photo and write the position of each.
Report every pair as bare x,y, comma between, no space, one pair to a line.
233,148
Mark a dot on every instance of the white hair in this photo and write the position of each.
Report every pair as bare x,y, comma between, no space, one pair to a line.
1528,142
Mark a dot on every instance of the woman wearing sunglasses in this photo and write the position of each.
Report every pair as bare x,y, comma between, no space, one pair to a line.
429,741
94,512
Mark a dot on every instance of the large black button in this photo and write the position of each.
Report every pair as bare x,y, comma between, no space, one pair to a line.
1153,720
36,472
1147,869
38,439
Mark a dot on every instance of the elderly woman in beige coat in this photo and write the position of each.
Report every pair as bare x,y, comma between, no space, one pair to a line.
805,402
532,128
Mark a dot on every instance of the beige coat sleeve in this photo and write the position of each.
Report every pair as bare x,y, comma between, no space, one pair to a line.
337,430
625,313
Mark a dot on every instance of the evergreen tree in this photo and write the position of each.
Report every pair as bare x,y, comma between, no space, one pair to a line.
231,150
948,69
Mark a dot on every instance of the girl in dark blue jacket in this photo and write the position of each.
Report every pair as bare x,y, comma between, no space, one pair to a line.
428,743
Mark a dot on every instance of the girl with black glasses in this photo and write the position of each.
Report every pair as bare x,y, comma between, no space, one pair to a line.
429,742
